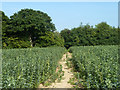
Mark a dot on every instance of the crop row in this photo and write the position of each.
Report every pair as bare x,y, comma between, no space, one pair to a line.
96,66
27,68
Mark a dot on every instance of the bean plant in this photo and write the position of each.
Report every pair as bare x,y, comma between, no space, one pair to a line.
96,66
27,68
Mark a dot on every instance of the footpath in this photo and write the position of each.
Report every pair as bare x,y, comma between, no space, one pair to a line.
67,74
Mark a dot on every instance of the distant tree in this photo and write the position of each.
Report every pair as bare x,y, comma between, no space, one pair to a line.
106,35
83,32
86,35
59,40
114,36
66,34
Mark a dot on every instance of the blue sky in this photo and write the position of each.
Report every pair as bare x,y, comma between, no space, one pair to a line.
70,14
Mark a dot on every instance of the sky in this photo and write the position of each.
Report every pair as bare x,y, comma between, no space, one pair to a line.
70,14
59,0
119,14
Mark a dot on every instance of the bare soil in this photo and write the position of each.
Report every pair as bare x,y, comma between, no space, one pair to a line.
67,75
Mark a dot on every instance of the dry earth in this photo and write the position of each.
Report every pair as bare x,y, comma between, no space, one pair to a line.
67,75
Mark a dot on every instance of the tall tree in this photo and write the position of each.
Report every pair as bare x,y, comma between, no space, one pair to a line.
5,21
0,29
30,24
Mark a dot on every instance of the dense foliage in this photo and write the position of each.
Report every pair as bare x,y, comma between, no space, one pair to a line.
0,49
97,66
29,28
0,30
86,35
27,68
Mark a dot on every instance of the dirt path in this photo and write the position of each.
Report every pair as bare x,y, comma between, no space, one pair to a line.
67,75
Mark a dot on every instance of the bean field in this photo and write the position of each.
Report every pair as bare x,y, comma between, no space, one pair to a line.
27,68
93,66
96,66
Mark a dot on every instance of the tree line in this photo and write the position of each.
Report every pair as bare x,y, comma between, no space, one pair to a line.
30,28
86,35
